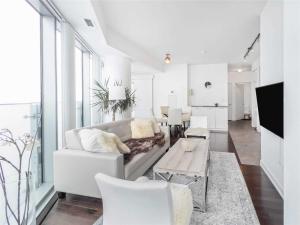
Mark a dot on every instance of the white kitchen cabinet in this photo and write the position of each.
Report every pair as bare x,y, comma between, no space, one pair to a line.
221,118
217,117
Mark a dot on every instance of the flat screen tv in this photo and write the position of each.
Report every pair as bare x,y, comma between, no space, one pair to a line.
270,107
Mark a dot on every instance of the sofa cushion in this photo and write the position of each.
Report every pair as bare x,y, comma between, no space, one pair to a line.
73,140
121,128
139,160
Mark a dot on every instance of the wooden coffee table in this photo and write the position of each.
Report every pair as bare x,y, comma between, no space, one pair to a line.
193,164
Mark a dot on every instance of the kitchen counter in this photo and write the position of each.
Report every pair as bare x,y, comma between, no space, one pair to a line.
211,106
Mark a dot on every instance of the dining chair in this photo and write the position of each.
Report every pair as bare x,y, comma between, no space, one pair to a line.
144,202
164,110
164,115
175,119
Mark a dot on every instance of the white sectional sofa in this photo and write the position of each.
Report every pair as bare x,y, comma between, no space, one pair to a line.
75,169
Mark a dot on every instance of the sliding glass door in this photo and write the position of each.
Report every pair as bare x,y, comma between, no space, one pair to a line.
31,87
27,86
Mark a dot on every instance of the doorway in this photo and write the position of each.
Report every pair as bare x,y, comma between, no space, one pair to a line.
240,103
244,136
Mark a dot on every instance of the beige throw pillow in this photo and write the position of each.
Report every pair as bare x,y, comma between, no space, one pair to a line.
155,125
142,128
95,140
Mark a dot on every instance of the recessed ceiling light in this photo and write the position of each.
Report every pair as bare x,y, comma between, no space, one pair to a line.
167,58
239,70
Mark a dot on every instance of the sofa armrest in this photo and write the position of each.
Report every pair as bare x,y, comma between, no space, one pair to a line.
74,170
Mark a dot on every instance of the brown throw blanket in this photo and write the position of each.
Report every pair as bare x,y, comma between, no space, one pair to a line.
143,145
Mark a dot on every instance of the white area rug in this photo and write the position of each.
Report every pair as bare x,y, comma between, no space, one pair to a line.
228,199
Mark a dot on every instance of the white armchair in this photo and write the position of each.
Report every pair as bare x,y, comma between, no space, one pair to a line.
144,202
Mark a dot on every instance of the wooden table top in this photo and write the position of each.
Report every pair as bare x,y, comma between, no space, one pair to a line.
181,162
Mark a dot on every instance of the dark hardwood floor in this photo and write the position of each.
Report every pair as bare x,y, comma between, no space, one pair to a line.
78,210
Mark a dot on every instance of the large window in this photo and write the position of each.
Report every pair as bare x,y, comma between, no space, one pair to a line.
20,79
31,84
59,90
79,85
27,86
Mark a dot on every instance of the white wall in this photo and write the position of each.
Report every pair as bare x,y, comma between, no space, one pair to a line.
271,66
247,98
291,112
142,85
175,78
255,83
217,74
243,77
117,69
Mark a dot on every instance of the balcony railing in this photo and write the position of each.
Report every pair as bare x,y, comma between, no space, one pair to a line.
23,118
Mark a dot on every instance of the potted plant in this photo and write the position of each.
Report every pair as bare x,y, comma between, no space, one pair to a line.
104,104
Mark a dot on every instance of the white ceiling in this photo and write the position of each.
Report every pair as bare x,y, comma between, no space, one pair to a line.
223,29
145,30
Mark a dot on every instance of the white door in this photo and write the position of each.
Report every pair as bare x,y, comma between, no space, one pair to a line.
239,101
229,101
144,97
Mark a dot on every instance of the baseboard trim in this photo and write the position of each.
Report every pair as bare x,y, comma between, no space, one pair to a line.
274,181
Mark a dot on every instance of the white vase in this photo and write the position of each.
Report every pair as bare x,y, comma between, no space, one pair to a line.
17,205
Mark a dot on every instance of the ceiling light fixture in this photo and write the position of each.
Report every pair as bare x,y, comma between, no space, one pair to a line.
239,70
167,58
251,48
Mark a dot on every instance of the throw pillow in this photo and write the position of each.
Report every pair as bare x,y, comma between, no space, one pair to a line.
141,128
155,125
95,140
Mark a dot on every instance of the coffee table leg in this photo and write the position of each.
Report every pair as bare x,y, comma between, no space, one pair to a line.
205,191
197,205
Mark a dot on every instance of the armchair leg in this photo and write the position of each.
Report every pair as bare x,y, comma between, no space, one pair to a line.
181,130
170,128
61,195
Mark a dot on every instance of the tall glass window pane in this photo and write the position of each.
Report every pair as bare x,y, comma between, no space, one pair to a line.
59,91
20,79
79,83
92,83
